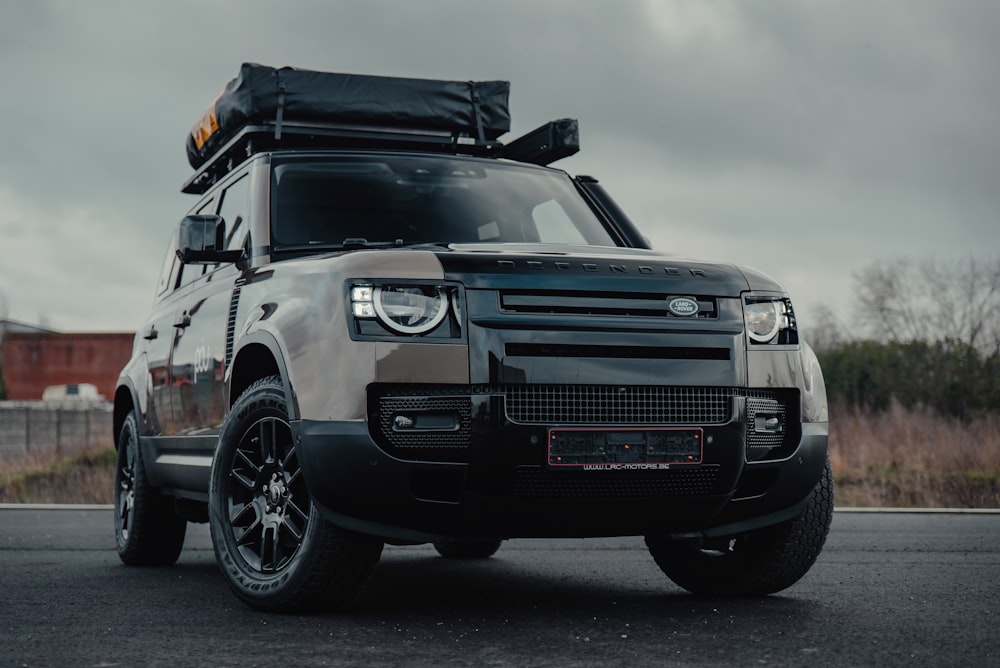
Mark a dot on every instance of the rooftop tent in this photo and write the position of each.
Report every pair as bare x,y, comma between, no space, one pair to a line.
261,95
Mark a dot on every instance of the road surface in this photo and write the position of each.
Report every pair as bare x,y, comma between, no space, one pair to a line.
889,589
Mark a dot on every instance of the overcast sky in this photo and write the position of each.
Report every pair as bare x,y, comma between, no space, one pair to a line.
806,139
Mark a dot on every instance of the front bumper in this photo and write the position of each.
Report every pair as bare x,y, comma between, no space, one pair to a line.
488,476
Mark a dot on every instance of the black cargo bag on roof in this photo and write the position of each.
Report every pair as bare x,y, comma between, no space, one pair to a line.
265,95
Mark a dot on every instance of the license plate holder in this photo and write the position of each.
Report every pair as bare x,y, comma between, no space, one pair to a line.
630,449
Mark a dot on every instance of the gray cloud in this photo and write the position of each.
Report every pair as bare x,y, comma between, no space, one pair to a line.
805,138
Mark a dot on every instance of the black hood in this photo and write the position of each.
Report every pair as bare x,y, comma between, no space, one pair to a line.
595,268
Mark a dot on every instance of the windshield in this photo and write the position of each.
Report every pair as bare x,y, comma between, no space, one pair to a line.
357,201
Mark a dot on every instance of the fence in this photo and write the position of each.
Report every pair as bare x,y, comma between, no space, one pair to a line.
65,428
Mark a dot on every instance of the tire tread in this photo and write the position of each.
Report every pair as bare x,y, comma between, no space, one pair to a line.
772,558
328,574
156,536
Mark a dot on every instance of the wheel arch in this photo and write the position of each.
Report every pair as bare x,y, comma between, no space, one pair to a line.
259,356
124,403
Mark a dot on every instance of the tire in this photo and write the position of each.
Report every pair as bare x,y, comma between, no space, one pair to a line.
276,551
468,549
147,530
757,563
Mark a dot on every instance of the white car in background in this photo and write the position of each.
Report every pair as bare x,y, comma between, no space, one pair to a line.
72,392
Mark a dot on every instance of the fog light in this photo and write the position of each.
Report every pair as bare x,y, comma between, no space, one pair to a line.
402,422
763,423
443,422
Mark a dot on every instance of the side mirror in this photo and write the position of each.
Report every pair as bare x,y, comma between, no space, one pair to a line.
202,240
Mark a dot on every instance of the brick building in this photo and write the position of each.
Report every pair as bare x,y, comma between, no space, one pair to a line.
33,361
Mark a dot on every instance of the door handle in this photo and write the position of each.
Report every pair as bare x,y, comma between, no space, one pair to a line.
150,333
183,321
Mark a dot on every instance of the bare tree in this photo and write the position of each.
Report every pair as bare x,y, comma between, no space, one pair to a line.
932,300
825,331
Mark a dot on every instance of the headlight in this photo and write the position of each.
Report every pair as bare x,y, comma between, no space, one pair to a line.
770,320
406,309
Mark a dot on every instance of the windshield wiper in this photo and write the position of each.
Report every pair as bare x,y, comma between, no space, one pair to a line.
355,243
350,243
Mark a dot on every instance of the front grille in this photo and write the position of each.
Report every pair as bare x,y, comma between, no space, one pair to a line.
535,482
589,303
609,404
614,352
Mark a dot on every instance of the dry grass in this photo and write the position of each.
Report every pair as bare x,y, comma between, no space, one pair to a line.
45,478
896,459
904,458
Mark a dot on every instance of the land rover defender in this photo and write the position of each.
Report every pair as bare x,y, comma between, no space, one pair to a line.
378,323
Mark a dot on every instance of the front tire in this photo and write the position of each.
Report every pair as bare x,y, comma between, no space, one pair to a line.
757,563
277,553
147,530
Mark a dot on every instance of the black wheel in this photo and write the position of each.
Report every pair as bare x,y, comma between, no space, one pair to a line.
468,549
756,563
276,551
147,530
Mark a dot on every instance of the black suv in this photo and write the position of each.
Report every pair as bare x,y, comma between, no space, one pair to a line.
379,324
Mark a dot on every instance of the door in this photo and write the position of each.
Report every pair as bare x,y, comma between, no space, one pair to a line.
200,326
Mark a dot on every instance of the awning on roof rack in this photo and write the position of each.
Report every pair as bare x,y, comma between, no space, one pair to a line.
544,145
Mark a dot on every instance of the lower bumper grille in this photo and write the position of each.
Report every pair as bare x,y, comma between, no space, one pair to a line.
609,404
457,409
771,417
535,482
769,432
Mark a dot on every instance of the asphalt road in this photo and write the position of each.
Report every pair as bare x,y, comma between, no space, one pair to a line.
889,589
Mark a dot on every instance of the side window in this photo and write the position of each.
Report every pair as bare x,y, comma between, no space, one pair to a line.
554,226
234,210
170,263
190,272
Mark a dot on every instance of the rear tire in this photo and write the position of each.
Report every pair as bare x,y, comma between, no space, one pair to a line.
147,530
757,563
468,549
277,552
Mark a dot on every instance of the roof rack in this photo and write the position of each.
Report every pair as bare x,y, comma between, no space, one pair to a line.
267,136
265,109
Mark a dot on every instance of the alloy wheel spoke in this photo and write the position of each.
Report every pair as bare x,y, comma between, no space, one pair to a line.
250,535
292,509
125,511
244,480
293,529
247,462
268,548
245,516
288,459
268,440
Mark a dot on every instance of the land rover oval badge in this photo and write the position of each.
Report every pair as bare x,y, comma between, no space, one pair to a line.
682,306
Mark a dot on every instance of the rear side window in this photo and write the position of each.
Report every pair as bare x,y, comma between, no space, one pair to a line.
235,205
